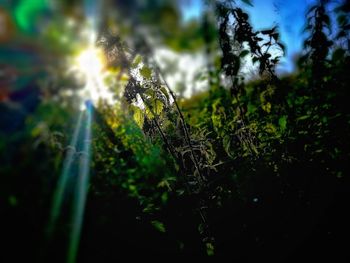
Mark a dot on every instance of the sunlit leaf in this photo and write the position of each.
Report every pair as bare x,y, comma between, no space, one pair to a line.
266,107
270,128
139,117
136,61
158,107
154,108
146,72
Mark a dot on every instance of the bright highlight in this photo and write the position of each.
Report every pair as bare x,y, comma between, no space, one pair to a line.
90,62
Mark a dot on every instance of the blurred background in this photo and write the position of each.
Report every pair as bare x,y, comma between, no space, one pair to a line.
59,59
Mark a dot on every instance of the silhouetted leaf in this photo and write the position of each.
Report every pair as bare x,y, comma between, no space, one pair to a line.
255,59
312,8
244,53
281,46
275,36
266,32
248,2
338,54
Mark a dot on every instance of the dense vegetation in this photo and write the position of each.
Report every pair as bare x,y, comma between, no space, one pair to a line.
247,169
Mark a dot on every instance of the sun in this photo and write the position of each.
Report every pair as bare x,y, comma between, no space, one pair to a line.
90,62
90,66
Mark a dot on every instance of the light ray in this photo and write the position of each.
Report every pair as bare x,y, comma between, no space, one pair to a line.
81,187
63,179
89,64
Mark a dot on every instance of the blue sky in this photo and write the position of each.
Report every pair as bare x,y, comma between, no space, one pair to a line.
289,15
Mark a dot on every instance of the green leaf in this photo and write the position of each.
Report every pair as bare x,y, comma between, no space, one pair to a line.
251,108
12,200
136,61
146,72
156,108
267,107
283,122
139,117
227,145
303,117
164,197
158,225
210,249
270,128
164,184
